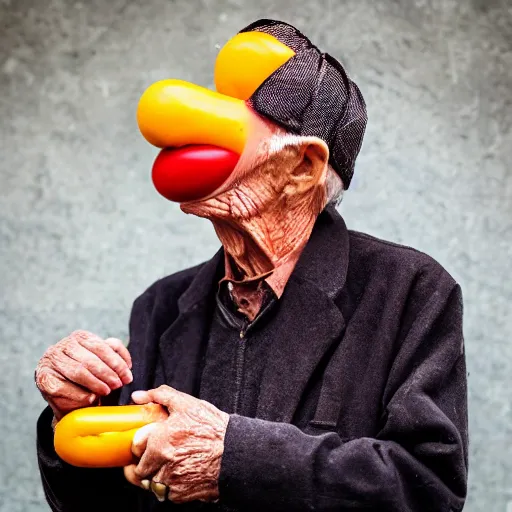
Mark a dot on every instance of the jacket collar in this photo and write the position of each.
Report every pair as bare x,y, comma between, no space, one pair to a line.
310,324
309,321
323,262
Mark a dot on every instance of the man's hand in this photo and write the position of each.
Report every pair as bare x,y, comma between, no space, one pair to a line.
79,369
180,458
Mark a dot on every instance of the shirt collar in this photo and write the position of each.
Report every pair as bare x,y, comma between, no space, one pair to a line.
323,262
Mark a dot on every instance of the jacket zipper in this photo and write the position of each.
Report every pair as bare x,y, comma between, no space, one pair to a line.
240,360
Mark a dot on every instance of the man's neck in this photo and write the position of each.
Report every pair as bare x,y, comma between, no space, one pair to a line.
265,246
264,220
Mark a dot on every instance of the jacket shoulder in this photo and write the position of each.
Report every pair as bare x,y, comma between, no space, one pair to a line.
170,287
395,260
154,310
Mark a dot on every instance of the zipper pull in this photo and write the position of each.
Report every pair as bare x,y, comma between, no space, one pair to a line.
245,326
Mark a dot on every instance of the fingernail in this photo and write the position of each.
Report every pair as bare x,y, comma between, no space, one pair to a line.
128,377
92,399
145,484
117,383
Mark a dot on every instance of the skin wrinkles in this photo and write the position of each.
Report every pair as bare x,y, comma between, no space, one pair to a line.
271,212
79,369
183,454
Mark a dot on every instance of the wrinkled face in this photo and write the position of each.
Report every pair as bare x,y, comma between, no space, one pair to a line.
211,140
276,172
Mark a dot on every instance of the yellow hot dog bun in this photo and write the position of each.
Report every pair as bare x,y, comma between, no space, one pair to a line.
101,437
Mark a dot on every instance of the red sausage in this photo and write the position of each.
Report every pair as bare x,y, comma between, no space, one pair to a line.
192,172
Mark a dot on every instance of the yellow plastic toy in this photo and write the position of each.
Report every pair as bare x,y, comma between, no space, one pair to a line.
174,113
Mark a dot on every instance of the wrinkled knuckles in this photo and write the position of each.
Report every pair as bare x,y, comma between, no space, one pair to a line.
81,335
67,348
50,352
48,384
77,371
169,454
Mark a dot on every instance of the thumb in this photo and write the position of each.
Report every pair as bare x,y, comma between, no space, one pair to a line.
141,397
140,439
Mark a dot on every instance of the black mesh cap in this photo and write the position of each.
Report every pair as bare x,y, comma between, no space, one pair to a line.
312,95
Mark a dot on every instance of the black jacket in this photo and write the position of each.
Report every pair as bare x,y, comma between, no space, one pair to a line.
362,402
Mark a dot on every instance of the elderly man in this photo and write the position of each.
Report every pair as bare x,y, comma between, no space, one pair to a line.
305,366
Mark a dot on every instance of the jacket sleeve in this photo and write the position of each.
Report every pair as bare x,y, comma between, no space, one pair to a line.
71,489
416,462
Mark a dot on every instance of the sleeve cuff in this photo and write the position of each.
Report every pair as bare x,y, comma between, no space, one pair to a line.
45,445
265,464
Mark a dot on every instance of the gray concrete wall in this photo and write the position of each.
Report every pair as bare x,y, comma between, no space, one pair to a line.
83,232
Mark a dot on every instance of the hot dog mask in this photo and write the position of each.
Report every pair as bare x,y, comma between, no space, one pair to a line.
268,72
254,157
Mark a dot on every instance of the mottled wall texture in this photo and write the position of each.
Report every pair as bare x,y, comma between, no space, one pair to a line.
83,232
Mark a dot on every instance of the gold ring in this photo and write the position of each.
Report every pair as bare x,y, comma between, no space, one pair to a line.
159,490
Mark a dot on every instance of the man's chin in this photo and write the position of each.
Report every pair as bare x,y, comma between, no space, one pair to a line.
212,208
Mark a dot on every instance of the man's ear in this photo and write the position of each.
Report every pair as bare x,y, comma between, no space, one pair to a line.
310,166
